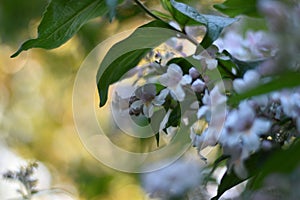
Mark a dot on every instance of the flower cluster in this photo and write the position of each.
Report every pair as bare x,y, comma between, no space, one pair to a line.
24,177
195,94
173,181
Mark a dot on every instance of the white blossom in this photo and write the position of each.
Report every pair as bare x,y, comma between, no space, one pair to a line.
290,102
250,80
174,80
174,180
148,99
212,113
198,85
243,129
193,72
206,60
211,102
255,45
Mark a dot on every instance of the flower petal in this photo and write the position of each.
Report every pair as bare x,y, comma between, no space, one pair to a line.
160,99
186,79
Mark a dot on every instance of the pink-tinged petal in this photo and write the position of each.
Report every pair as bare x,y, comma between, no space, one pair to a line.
198,85
172,77
174,71
193,72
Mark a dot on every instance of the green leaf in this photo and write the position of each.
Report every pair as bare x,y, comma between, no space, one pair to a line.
214,24
253,165
282,161
61,20
226,62
233,8
126,54
285,80
162,15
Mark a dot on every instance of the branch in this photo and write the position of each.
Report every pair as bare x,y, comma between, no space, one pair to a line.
146,10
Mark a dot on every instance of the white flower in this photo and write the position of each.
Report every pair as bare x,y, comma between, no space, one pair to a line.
193,72
243,127
206,60
211,102
213,113
236,160
174,80
233,43
148,99
198,85
260,44
256,45
290,102
200,137
174,180
250,80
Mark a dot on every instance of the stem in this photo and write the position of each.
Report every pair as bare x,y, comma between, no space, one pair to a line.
192,40
146,10
185,36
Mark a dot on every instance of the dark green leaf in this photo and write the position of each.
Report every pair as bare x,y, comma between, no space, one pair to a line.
233,8
157,139
282,161
175,116
242,66
214,24
285,80
227,62
253,165
126,54
61,21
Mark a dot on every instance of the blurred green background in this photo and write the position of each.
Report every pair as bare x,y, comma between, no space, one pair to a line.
36,120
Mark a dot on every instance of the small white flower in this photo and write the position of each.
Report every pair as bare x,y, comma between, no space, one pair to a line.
212,113
193,72
211,102
290,102
243,127
236,161
148,99
250,80
256,45
206,60
198,85
174,80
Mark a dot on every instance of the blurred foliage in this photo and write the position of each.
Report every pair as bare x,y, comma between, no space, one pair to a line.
15,17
